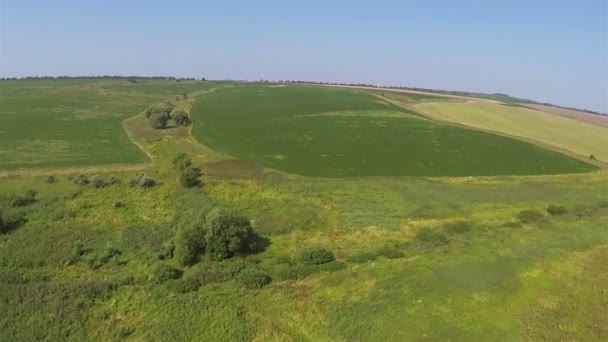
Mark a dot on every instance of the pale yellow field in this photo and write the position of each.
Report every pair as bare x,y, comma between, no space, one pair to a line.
564,133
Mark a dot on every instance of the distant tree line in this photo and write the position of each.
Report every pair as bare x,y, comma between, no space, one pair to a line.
111,77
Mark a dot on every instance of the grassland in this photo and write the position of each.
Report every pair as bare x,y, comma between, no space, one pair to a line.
316,131
579,137
74,122
480,271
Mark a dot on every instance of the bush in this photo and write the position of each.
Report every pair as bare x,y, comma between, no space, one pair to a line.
189,177
315,256
253,278
160,109
529,216
218,272
166,251
159,120
113,180
430,235
50,179
554,210
81,179
164,272
10,221
117,204
180,117
142,180
98,182
227,234
182,161
189,245
296,272
22,200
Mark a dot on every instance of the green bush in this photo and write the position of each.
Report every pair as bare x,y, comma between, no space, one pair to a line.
315,255
180,117
159,120
189,177
529,216
143,180
10,221
218,272
98,182
24,200
554,210
163,108
81,179
184,285
50,179
253,278
164,272
182,161
166,251
301,271
432,236
189,245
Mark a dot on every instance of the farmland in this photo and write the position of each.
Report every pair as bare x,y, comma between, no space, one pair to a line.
517,253
335,132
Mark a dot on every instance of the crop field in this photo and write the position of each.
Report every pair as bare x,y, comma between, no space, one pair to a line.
569,134
90,254
316,131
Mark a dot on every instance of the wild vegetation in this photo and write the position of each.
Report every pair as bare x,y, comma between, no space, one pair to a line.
200,245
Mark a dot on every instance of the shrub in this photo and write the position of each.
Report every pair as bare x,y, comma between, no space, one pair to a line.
180,117
253,278
166,251
430,235
98,182
189,245
113,180
160,109
315,256
189,177
182,161
22,200
10,221
112,251
529,216
81,179
164,272
554,210
159,120
50,179
227,234
117,204
300,271
141,179
218,272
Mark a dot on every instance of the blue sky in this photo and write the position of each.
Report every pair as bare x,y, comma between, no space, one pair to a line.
555,51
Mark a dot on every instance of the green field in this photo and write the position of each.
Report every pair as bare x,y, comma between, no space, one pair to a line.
315,131
74,122
416,258
565,133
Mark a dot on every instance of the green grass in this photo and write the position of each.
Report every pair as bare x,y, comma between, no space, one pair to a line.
315,131
65,123
568,134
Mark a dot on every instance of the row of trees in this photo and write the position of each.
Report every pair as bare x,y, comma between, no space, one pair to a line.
112,77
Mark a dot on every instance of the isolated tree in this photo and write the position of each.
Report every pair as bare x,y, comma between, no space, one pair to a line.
227,234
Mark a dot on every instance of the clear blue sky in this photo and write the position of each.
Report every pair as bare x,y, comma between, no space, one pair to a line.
551,51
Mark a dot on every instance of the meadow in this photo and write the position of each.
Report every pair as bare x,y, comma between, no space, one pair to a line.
315,131
502,257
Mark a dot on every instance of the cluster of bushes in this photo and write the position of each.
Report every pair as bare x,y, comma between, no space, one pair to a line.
96,181
188,175
220,235
160,114
94,261
143,180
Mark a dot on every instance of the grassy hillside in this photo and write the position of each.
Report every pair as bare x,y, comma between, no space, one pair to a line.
572,135
450,258
317,131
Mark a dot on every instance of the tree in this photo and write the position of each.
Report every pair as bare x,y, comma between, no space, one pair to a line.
180,117
227,234
159,120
